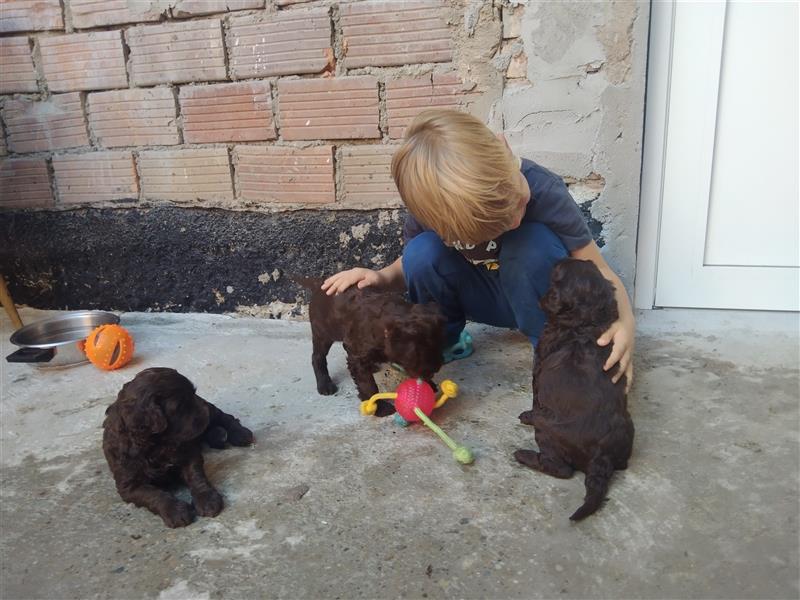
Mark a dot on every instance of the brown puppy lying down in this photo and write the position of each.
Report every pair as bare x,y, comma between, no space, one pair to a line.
375,327
581,417
153,436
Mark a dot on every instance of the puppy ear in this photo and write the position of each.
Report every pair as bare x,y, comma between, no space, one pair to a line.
439,319
551,302
433,308
141,414
391,327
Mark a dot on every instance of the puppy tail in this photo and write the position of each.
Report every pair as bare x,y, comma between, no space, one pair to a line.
598,474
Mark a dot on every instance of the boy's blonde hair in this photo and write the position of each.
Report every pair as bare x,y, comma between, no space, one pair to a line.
456,177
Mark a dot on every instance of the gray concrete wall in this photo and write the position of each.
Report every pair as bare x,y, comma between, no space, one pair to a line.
575,103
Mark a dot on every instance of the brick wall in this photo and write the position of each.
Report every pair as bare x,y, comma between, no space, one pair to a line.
122,121
258,104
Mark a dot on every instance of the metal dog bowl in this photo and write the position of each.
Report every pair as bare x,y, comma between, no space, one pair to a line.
57,342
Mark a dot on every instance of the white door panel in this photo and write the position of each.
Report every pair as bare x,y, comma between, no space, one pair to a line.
730,219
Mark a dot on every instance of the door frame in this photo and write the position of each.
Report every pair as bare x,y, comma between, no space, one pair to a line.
659,69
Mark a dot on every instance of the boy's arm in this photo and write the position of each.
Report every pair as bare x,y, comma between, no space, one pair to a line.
623,330
388,278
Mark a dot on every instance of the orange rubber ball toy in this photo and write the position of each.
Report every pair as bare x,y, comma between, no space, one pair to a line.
109,347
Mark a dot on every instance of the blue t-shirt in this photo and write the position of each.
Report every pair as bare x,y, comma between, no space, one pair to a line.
550,204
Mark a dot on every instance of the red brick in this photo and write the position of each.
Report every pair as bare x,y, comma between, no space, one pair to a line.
285,43
24,183
16,66
285,174
394,33
95,177
406,98
84,61
193,8
335,108
366,176
227,112
134,118
3,148
53,124
30,15
96,13
186,175
177,52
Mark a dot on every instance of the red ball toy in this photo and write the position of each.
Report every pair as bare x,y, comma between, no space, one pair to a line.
411,394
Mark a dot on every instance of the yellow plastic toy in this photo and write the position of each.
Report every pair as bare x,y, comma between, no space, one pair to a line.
414,401
109,347
412,392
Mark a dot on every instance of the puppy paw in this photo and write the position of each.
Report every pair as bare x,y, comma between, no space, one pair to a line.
529,458
216,437
327,388
526,418
209,504
240,436
179,514
384,408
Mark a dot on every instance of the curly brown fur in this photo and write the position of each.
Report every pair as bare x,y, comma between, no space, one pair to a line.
375,327
152,437
581,417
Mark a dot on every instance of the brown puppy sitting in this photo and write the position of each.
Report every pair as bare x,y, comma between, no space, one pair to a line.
581,417
375,327
152,437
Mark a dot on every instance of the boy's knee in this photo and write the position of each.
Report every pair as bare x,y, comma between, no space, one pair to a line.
423,255
532,246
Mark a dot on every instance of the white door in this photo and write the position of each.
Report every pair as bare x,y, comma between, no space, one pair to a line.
730,201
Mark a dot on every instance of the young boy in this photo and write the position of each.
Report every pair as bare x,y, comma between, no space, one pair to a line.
483,232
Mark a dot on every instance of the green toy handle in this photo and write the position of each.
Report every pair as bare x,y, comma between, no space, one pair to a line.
461,453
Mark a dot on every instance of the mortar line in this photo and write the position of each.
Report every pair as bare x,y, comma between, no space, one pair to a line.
275,107
178,115
38,67
337,41
126,56
84,98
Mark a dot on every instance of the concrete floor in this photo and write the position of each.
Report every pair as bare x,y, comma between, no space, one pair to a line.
707,509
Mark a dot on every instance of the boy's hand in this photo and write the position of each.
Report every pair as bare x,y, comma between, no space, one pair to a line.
621,333
622,330
336,284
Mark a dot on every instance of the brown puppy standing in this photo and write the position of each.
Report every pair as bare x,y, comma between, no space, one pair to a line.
375,327
152,437
581,417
